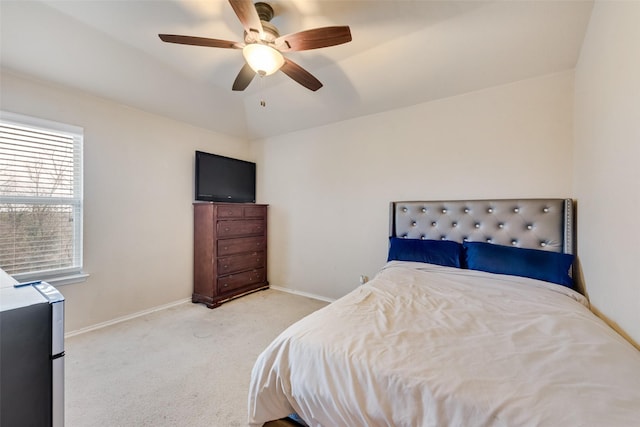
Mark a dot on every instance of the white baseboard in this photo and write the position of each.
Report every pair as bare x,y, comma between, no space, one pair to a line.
301,293
124,318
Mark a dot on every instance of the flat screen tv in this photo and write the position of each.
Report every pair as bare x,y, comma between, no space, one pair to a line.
223,179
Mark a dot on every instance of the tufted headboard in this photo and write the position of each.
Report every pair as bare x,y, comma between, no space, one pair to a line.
545,224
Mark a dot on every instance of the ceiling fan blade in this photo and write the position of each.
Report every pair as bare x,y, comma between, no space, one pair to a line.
300,75
248,16
244,77
313,39
200,41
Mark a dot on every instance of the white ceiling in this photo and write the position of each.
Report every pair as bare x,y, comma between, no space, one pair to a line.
403,52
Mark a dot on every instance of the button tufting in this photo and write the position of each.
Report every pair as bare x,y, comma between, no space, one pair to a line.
466,210
490,210
413,224
424,210
514,242
529,226
454,224
465,239
477,225
444,211
423,237
516,210
404,209
501,225
443,237
543,244
545,210
433,224
489,241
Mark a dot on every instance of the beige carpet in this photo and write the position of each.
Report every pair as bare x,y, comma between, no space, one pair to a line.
183,366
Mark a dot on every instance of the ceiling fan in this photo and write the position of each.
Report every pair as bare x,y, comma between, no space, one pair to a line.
263,45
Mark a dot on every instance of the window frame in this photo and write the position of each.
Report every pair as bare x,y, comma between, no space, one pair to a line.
75,273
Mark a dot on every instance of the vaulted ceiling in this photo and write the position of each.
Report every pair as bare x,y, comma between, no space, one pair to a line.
403,52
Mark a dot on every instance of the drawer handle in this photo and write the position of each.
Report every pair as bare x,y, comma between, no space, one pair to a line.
225,248
225,266
226,229
225,285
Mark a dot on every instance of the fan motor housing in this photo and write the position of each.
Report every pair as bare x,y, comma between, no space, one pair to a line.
265,12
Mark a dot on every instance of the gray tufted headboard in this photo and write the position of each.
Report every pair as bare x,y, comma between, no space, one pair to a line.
545,224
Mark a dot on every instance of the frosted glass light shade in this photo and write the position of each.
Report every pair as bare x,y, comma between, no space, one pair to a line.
263,59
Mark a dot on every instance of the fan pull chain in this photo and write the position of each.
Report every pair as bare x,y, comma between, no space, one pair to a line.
263,103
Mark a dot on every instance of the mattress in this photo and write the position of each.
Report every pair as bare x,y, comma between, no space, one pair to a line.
425,345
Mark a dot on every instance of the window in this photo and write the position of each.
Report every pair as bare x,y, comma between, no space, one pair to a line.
40,199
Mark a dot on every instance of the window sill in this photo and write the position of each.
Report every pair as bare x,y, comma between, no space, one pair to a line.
56,280
67,280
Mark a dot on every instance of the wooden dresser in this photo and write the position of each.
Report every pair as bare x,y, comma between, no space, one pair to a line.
229,251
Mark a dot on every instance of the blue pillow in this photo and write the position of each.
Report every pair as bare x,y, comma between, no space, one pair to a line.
440,252
536,264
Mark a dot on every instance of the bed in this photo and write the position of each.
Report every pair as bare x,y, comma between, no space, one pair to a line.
473,321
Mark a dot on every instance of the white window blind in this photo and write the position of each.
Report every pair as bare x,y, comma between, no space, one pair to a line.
40,197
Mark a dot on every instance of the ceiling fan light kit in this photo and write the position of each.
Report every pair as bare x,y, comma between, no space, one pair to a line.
263,59
263,46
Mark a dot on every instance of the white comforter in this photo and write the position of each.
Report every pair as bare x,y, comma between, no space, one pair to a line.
424,345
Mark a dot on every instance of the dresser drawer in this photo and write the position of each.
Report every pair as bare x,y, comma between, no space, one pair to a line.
240,245
230,211
235,281
241,262
240,228
255,211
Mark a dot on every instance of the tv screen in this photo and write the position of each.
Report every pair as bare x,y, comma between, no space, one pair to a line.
223,179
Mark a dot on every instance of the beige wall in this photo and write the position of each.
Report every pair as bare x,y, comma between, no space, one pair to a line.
138,191
607,156
329,187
